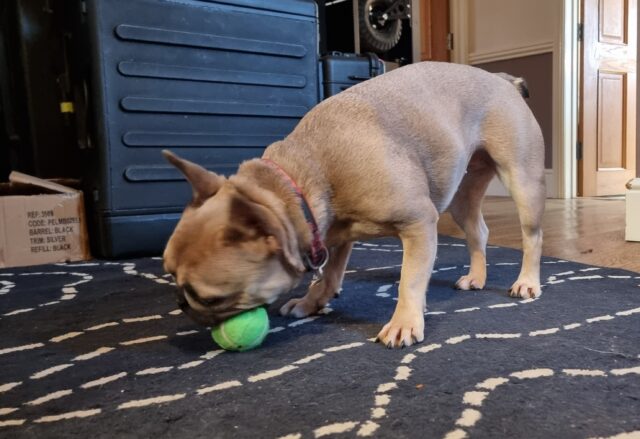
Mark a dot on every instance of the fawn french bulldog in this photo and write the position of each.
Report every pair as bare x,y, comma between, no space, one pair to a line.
383,158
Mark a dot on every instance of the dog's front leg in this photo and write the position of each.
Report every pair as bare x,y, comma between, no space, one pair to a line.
321,291
419,243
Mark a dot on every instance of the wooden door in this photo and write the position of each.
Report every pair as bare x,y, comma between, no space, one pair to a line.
608,97
435,42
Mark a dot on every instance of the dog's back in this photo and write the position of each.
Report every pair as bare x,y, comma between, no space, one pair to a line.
427,119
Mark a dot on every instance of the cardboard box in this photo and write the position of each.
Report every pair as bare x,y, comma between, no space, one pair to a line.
632,231
41,222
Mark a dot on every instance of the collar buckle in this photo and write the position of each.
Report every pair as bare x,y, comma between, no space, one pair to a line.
316,262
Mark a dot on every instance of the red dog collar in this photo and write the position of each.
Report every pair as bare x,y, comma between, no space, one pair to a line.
318,254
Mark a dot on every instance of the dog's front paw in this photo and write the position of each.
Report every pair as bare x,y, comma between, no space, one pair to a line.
526,289
470,282
299,308
404,329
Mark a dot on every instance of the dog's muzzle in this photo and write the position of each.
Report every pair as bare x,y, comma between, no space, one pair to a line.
213,314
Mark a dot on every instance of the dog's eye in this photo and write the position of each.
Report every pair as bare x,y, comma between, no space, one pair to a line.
190,291
213,301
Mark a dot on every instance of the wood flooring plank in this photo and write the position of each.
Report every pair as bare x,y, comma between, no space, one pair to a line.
588,230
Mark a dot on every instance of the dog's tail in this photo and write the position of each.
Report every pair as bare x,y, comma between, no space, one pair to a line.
519,83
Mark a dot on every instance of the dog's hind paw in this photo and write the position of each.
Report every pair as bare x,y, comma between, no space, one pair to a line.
525,289
470,282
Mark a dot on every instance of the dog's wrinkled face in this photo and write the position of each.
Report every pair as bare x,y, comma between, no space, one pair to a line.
224,254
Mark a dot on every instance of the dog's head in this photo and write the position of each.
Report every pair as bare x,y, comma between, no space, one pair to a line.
228,252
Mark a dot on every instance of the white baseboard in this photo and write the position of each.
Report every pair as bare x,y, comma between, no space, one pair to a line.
514,52
497,189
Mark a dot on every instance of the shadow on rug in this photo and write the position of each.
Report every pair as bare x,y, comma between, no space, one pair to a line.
98,350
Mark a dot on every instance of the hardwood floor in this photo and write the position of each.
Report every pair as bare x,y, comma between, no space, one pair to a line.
588,230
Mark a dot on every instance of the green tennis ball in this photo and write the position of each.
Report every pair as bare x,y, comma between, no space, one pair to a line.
243,331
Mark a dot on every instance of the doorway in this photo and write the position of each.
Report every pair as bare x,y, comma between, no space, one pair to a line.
607,148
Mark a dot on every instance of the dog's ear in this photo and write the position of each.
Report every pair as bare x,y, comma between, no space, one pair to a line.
204,183
249,221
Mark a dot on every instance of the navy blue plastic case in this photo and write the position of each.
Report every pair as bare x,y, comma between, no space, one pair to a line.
214,81
343,70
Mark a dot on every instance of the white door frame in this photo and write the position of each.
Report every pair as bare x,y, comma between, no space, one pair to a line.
565,102
565,88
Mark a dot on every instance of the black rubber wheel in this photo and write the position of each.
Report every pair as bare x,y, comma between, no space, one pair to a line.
377,35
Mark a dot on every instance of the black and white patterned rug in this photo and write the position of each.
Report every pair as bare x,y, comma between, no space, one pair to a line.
99,350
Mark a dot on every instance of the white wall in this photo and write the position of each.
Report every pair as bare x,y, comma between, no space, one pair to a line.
503,29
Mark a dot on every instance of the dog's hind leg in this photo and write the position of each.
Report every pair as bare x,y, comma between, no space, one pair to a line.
321,291
466,212
528,191
523,175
